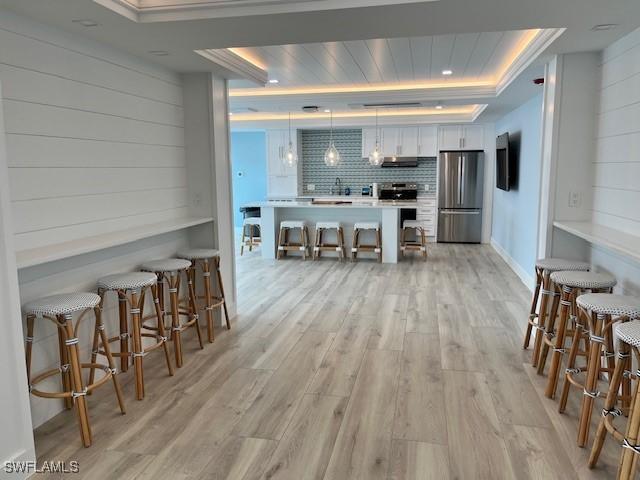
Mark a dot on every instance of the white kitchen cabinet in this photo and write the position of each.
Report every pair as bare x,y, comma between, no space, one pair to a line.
368,141
408,141
389,141
461,137
428,141
282,179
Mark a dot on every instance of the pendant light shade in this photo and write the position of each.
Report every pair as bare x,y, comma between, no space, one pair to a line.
375,156
290,158
331,155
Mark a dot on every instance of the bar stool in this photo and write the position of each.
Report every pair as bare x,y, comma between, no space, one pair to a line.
60,309
543,292
599,311
171,270
360,247
320,246
570,285
420,244
251,225
131,289
628,335
284,243
205,258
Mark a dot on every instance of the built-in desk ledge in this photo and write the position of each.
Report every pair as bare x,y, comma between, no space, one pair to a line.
59,251
616,240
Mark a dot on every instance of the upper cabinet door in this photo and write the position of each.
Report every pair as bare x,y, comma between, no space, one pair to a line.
408,141
368,141
428,141
275,152
390,141
473,137
450,137
284,168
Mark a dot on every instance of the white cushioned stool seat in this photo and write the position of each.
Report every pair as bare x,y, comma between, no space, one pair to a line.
62,304
127,281
610,304
293,224
560,264
252,221
579,279
328,225
166,265
411,224
366,226
198,253
629,333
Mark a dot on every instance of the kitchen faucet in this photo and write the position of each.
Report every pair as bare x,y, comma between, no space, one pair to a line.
336,188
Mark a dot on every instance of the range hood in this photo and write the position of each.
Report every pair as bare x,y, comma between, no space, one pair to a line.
398,162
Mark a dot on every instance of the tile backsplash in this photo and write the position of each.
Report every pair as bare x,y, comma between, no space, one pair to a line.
354,171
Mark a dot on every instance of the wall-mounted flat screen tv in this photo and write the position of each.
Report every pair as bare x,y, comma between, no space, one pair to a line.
504,166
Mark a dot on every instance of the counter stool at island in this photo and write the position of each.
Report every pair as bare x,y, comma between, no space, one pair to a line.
628,336
545,291
251,233
171,270
320,246
570,285
207,260
419,244
60,310
285,244
357,247
131,289
598,312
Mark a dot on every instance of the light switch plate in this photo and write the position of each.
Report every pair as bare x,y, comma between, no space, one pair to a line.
311,187
426,187
575,199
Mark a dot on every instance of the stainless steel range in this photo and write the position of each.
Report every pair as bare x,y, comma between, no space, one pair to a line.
398,191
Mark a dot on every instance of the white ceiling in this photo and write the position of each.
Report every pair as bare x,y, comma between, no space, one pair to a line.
471,56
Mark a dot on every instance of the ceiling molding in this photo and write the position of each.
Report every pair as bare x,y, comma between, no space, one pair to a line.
177,10
229,60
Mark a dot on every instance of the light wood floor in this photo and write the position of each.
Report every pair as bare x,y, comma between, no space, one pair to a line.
345,371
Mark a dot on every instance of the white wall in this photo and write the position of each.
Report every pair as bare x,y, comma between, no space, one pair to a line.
95,142
616,169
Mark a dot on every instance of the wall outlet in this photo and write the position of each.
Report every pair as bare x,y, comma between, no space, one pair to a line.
311,187
426,187
575,199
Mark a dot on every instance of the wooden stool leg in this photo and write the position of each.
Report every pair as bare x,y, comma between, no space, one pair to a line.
110,360
304,233
546,282
549,330
161,330
626,469
75,370
244,229
316,244
340,242
423,243
532,311
65,374
29,346
206,276
609,404
578,334
124,333
593,373
193,305
354,245
138,353
176,333
559,350
216,262
251,238
379,244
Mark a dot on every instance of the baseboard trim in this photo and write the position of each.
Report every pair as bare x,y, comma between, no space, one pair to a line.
524,277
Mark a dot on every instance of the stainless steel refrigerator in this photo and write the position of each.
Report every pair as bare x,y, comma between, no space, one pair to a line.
460,193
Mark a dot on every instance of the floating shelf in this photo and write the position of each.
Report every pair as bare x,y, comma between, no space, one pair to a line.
71,248
610,238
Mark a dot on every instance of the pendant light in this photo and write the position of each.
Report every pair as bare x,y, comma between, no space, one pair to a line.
331,154
376,157
290,158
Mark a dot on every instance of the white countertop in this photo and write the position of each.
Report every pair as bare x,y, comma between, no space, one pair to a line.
361,203
616,240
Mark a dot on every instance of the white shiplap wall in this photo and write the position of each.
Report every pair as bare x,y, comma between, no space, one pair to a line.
616,185
95,143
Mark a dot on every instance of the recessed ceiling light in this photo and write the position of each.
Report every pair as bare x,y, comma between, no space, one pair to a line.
447,72
439,107
159,53
604,26
274,81
230,113
327,110
86,22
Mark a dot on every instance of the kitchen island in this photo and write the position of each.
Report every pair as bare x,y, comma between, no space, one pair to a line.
344,210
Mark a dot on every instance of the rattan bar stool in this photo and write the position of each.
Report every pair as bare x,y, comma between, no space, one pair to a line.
628,336
131,289
543,292
207,260
251,226
171,271
569,285
598,312
420,244
320,246
285,244
60,310
359,227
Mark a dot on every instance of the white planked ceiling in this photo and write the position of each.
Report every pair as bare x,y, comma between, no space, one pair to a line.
471,56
